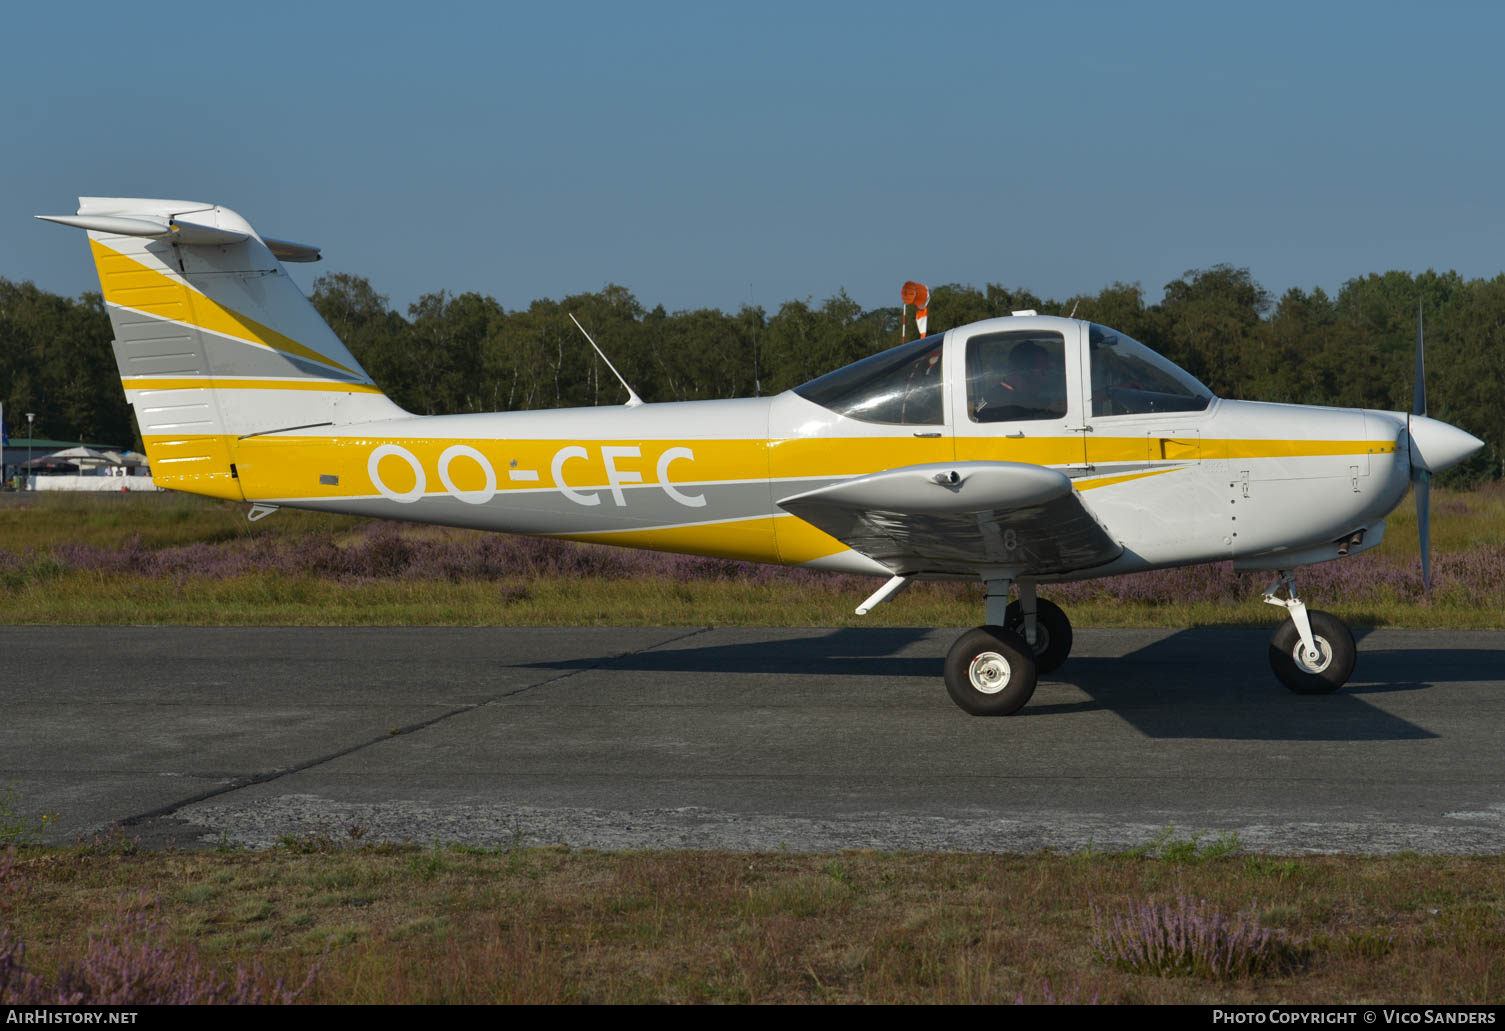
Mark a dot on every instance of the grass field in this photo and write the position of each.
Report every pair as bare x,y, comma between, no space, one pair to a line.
432,924
176,559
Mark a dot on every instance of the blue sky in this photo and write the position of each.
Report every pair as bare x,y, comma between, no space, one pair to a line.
709,156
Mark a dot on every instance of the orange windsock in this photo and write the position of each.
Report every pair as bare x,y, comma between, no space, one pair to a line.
917,294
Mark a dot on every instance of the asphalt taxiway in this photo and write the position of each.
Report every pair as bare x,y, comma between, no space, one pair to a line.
744,738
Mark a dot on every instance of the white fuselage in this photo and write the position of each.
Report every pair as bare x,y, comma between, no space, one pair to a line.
1265,484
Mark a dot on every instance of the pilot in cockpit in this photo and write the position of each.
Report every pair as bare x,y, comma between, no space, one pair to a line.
1031,384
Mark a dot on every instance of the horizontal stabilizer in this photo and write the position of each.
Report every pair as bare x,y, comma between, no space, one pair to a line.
193,234
115,225
175,229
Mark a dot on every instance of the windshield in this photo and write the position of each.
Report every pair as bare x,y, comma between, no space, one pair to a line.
1128,378
901,385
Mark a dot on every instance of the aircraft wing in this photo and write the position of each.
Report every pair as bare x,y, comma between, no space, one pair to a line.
961,517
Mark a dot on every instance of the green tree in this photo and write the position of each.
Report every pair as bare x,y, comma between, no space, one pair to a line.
1212,320
56,360
379,338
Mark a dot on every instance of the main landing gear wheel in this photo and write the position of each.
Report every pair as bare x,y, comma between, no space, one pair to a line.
990,671
1052,633
1336,655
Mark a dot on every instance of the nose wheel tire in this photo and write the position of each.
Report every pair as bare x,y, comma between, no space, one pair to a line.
1052,633
1335,659
990,671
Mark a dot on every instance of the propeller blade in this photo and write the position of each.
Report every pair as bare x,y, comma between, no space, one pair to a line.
1433,446
1423,481
1419,389
1420,476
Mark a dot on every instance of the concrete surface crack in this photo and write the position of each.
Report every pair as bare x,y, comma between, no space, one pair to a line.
262,778
597,665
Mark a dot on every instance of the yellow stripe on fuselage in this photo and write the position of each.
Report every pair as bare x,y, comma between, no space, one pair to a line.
218,382
288,467
195,464
749,539
780,538
278,466
1108,481
1030,450
809,457
1235,449
1105,449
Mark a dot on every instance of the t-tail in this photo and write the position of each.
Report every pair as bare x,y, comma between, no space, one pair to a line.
214,341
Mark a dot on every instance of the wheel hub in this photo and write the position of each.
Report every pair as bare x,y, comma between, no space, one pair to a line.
1042,639
989,672
1042,635
1324,655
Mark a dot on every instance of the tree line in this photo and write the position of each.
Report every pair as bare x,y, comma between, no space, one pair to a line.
467,353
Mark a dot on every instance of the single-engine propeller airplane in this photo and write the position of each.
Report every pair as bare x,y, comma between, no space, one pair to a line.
1017,451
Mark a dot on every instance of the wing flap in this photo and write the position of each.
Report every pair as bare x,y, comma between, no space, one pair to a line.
961,517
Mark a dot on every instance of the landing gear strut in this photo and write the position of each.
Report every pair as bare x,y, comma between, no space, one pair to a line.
991,670
1313,651
1052,642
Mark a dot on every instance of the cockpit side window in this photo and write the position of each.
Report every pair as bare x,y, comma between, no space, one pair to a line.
1130,379
1016,376
901,386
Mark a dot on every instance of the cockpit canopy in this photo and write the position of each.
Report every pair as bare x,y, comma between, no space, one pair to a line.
1011,375
1128,378
902,386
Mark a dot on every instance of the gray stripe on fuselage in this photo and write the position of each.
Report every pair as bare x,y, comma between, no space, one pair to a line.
647,506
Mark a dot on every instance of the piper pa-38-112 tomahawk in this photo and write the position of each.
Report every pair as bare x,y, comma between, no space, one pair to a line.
1016,451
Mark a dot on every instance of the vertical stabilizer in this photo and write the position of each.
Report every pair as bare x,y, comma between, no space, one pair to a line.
213,340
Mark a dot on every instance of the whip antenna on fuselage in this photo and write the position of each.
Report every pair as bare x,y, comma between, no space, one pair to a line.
632,396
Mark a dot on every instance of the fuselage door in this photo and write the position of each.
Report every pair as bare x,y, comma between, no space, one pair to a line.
1018,392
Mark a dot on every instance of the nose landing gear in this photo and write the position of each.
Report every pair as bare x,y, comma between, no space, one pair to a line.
1313,651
